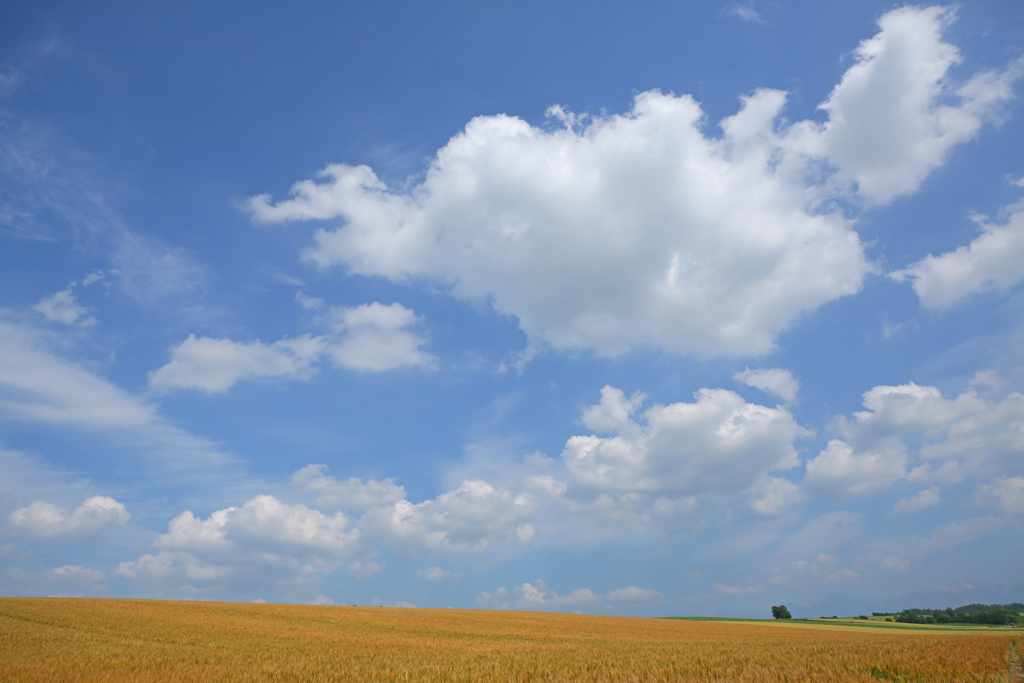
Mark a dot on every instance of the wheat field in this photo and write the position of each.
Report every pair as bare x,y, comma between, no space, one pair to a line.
67,639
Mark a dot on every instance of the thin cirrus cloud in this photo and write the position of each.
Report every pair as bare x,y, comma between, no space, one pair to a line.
437,574
896,563
51,187
37,385
633,594
368,338
616,233
75,573
736,590
743,12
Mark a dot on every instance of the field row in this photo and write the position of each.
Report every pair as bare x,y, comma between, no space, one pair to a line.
105,640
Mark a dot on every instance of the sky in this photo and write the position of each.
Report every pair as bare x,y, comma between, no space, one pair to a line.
634,309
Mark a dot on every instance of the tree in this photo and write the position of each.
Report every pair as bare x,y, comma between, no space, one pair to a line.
780,612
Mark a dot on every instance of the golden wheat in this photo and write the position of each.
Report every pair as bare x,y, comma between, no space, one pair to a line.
57,639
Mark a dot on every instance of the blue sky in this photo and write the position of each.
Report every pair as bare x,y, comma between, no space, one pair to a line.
674,309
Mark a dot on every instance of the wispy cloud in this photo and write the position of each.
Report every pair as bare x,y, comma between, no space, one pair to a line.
38,385
52,192
743,12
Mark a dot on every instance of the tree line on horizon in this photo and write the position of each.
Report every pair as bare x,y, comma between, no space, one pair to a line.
975,613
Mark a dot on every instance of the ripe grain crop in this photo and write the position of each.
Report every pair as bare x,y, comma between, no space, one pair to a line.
58,639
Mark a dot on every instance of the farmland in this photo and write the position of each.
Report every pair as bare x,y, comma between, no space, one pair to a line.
64,639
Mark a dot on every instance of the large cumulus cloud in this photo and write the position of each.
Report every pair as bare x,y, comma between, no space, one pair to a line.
969,435
640,229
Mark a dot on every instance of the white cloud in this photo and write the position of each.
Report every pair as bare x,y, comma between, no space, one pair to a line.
984,434
466,519
842,472
546,483
664,472
536,222
46,520
896,114
743,12
437,574
612,414
75,573
62,307
842,575
634,594
1003,493
736,591
922,500
39,386
396,603
898,563
989,379
537,597
263,521
774,380
50,389
215,365
719,445
261,542
367,338
638,230
363,569
773,496
993,261
950,472
375,338
10,80
93,277
173,566
499,599
350,494
830,532
967,434
832,529
955,533
525,533
322,600
610,238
